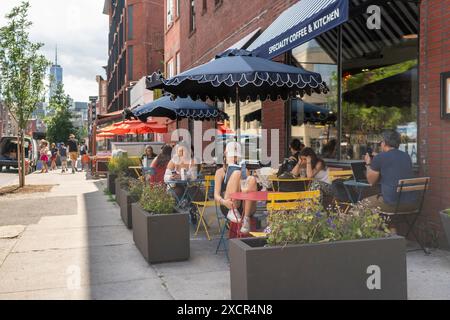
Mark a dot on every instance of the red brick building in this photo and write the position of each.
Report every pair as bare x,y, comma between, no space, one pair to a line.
136,44
434,132
403,56
102,103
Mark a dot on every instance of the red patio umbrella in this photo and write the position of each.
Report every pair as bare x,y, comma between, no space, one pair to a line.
135,127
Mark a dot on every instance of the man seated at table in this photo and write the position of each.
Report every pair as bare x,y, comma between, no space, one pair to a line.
228,181
387,168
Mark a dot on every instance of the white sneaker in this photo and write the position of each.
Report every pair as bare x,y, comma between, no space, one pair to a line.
245,226
233,216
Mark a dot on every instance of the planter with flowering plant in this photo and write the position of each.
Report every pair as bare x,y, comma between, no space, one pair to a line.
445,219
313,254
159,232
117,166
128,191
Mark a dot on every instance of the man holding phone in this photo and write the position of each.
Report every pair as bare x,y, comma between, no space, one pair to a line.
387,168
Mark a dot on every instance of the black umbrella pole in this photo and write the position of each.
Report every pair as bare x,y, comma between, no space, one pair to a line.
237,123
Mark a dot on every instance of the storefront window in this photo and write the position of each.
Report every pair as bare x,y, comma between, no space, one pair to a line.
313,118
379,83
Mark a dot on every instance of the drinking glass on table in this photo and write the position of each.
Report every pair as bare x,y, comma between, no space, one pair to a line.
303,173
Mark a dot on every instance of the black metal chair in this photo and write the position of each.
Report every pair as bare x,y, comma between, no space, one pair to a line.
410,217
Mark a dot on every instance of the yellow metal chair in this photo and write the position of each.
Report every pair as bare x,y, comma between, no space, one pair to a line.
202,205
288,201
276,181
339,174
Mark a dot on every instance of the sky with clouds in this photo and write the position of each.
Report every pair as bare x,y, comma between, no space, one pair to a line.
80,30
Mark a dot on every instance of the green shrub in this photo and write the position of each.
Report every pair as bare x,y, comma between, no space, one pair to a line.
447,211
312,224
135,188
124,181
156,200
119,165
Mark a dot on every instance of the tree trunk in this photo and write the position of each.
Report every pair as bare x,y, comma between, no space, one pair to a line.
21,158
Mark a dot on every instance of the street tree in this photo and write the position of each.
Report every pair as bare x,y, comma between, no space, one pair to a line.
59,124
22,74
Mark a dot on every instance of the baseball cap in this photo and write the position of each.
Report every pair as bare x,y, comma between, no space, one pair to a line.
233,149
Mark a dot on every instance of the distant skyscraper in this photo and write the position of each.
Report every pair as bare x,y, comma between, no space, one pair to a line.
56,74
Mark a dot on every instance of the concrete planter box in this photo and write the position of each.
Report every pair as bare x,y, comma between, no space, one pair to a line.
445,218
161,237
111,182
355,269
125,200
117,190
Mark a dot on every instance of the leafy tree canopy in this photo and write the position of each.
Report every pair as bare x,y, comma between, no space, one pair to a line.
22,66
59,124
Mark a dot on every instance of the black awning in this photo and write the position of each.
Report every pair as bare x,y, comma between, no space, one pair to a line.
302,22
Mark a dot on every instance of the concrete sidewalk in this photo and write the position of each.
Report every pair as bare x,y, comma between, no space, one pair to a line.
86,252
71,244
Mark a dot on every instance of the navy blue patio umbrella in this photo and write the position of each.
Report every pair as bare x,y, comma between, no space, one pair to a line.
239,75
178,108
307,113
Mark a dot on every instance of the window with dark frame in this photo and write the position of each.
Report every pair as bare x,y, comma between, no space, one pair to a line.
130,22
218,2
192,16
379,83
169,13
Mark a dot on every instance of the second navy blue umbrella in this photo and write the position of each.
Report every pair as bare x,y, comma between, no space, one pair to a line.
179,108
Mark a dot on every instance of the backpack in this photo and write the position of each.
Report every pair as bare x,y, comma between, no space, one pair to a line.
284,172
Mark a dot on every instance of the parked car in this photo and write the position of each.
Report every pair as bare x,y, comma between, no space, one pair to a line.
8,153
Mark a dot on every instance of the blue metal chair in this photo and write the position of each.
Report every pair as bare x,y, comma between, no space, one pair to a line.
223,225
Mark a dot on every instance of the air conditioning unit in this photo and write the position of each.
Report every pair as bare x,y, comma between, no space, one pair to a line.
169,18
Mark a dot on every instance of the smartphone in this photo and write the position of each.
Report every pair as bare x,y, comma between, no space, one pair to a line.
370,152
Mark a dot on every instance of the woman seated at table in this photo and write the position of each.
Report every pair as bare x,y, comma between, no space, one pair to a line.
228,181
181,161
148,157
159,164
316,170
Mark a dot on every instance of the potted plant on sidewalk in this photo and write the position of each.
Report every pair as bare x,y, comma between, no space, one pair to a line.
116,166
313,254
445,218
128,191
160,233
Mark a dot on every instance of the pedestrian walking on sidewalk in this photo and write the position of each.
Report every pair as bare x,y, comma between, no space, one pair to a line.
84,155
72,146
43,155
63,157
53,157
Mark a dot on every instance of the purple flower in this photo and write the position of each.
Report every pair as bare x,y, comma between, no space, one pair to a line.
318,214
330,223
